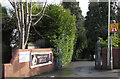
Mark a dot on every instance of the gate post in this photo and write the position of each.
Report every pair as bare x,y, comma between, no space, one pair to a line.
98,55
58,59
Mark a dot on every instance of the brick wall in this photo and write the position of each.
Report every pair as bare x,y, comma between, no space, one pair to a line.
116,58
104,58
16,69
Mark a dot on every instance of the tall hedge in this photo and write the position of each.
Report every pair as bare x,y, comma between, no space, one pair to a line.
63,30
58,29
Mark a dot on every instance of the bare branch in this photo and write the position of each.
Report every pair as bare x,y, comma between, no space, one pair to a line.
22,14
49,16
38,20
38,32
27,19
17,17
42,14
29,24
12,3
39,12
30,14
46,16
19,12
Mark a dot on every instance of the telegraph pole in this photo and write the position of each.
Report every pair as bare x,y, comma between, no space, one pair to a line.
108,50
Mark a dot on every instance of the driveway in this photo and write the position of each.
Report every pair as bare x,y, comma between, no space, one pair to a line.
83,69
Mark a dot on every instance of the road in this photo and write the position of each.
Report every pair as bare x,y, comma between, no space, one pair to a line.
81,69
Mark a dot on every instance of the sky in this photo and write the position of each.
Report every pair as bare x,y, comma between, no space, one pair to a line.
83,4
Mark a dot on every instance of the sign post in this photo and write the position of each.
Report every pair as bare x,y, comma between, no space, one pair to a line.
113,29
108,50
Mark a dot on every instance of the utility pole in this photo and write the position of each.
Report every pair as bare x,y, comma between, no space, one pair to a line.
108,50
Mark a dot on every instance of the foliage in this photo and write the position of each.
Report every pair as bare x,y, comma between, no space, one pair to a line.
114,15
80,43
7,28
58,55
118,20
57,27
115,41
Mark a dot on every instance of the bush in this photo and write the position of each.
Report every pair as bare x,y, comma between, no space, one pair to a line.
115,41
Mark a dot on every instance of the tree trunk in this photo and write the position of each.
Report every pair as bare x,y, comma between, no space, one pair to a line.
22,25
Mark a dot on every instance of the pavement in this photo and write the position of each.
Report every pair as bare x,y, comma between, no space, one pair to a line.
81,69
1,71
1,66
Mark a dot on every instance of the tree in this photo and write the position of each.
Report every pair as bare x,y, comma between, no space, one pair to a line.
96,24
118,12
6,36
118,19
80,43
25,20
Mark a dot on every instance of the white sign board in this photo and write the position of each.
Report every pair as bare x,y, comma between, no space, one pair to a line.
40,59
24,56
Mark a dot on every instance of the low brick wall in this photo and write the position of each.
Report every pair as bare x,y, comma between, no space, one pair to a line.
116,58
17,69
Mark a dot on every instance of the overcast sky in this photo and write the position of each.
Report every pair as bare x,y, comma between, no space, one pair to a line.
83,4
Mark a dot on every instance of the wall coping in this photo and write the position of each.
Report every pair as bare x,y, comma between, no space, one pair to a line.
112,48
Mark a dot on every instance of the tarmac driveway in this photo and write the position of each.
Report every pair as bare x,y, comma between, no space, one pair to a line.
82,69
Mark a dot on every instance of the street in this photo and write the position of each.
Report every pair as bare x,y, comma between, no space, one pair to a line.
81,69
